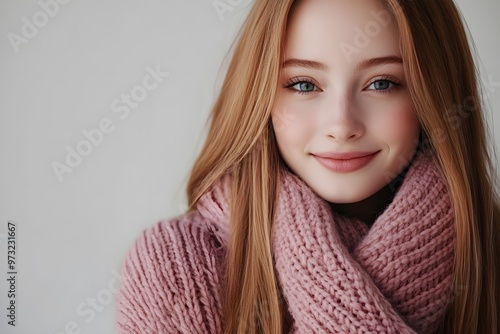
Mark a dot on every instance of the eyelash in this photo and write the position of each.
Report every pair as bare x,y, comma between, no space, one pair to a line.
395,84
296,80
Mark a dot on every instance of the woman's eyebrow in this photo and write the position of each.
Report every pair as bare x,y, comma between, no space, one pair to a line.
315,65
294,62
378,61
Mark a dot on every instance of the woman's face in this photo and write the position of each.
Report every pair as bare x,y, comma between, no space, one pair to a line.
343,90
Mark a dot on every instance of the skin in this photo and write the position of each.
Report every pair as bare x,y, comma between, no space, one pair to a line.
342,108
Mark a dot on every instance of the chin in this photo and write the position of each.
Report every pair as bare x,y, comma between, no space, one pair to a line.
342,198
346,195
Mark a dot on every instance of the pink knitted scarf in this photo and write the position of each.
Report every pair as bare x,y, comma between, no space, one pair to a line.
337,275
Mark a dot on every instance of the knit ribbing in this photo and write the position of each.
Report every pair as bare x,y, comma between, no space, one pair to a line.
337,275
171,281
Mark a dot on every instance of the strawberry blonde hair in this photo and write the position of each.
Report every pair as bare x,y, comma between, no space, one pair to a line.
443,84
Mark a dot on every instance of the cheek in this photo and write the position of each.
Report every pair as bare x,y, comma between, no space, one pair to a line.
292,126
397,125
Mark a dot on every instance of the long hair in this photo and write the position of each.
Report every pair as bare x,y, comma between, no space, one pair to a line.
443,84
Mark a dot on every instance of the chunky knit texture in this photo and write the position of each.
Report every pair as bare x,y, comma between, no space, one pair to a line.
337,275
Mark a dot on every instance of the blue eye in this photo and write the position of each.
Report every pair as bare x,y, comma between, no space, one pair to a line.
305,86
301,86
383,85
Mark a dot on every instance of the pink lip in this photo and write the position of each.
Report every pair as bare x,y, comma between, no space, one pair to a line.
345,162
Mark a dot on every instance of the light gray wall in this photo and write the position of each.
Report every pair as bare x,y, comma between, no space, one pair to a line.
69,76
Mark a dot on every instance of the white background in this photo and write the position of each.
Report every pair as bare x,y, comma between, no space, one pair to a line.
73,235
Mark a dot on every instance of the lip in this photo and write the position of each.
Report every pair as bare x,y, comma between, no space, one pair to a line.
345,162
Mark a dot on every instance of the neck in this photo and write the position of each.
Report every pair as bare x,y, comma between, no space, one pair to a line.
370,208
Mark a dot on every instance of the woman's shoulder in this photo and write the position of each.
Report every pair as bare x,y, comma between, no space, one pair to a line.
171,279
183,239
185,233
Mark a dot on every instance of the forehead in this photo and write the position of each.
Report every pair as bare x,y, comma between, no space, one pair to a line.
325,30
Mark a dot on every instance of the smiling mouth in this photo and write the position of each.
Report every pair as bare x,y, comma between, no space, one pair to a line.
345,162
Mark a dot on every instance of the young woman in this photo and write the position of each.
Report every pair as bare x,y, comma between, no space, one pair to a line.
345,185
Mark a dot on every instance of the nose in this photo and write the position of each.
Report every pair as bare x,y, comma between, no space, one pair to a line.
343,122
